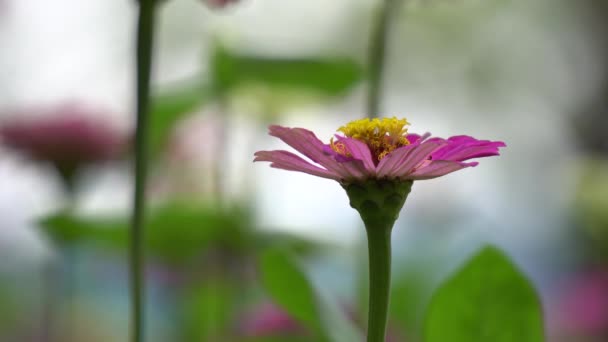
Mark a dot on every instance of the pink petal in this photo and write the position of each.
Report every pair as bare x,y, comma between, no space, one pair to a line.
288,161
438,168
388,163
305,142
393,159
360,151
460,148
355,169
417,138
419,154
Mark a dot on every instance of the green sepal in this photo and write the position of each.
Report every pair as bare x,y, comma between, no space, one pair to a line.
378,201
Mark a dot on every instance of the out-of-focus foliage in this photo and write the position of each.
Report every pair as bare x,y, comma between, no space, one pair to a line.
488,299
327,76
208,309
8,309
411,290
290,287
174,232
318,75
592,201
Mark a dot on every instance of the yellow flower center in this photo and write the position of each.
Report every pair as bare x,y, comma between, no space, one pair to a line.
381,135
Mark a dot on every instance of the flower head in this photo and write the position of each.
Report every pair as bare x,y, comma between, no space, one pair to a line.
583,306
376,161
270,320
219,3
376,149
68,136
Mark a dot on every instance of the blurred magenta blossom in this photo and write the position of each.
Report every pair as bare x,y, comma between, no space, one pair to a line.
219,3
378,148
68,136
583,306
270,320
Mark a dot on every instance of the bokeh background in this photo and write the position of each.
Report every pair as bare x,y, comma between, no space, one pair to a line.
531,73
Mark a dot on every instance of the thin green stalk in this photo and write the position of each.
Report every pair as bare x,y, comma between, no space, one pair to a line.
145,38
377,55
379,247
379,202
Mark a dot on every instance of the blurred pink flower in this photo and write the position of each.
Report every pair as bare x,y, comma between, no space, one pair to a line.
376,149
583,306
270,320
219,3
69,136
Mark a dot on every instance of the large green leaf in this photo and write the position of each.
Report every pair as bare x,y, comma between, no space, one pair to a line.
171,104
328,76
67,229
207,309
488,299
289,286
174,232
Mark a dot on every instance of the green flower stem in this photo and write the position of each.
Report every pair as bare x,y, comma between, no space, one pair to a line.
145,38
379,202
379,247
377,55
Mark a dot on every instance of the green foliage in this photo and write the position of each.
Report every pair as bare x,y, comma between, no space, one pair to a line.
409,297
328,76
9,310
179,231
208,309
66,229
289,286
175,232
486,300
169,106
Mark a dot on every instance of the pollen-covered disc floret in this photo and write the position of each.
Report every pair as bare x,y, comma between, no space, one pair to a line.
376,149
382,136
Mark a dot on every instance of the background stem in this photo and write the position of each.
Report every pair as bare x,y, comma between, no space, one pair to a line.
377,52
379,247
145,38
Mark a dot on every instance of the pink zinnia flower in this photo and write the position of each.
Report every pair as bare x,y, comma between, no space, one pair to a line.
583,307
270,320
219,3
68,136
376,162
376,149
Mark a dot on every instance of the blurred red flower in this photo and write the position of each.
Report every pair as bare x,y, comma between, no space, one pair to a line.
582,309
270,320
219,3
69,136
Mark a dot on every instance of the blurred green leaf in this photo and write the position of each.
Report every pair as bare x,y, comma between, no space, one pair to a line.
324,75
488,299
9,310
180,231
208,308
411,290
169,106
66,229
289,286
290,242
174,232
